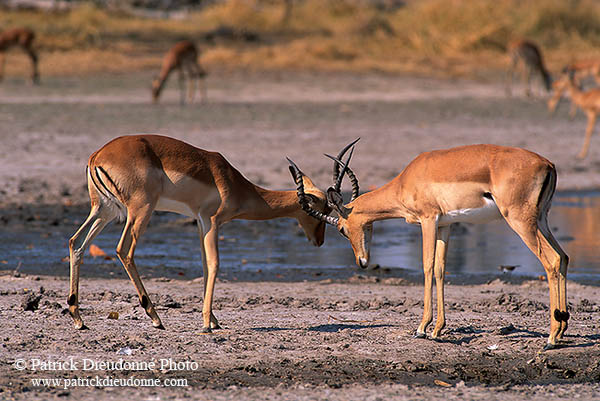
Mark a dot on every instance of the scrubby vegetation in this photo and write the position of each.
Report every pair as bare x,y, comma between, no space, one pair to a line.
440,37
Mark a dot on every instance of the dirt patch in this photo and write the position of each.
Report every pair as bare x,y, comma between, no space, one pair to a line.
319,335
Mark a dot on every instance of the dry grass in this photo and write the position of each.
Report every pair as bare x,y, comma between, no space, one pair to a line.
439,37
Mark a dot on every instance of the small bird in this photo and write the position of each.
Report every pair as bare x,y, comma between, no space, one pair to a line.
507,268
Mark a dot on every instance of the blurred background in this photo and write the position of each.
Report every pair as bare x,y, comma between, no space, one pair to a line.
424,37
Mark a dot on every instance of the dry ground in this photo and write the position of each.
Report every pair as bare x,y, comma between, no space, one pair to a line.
338,335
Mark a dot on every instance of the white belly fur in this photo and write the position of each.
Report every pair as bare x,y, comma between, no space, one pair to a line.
170,205
488,212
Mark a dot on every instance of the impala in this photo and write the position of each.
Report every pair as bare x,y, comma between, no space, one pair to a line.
588,101
472,184
132,176
530,56
578,70
22,37
183,57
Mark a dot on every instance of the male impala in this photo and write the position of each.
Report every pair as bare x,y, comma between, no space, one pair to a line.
473,184
132,176
530,56
22,37
183,57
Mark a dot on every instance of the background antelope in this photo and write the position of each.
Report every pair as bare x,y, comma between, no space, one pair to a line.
588,101
183,57
471,184
132,176
527,54
23,38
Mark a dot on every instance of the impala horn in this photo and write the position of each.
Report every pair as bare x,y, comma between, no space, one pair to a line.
350,173
303,198
336,167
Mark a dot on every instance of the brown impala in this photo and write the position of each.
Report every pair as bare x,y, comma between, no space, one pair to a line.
23,38
132,176
472,184
183,58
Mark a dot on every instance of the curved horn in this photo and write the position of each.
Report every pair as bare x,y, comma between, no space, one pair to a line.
336,167
338,183
302,198
350,173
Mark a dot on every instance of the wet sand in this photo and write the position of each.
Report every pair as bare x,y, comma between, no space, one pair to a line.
289,334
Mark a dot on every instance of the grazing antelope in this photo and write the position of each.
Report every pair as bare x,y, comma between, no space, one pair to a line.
588,101
132,176
22,37
530,56
183,57
472,184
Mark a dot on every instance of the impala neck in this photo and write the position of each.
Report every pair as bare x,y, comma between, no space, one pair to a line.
380,204
266,204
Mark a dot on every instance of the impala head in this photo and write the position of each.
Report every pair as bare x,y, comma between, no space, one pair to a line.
313,228
357,229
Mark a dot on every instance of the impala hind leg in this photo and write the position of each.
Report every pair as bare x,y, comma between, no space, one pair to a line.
214,323
441,251
563,315
134,228
35,75
98,218
554,260
429,230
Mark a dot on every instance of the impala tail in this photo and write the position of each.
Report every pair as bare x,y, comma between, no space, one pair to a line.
547,191
99,181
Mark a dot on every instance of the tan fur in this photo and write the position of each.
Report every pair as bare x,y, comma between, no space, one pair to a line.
23,38
529,55
588,101
435,185
142,173
183,58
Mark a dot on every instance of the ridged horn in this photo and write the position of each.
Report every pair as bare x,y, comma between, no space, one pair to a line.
336,167
303,199
351,176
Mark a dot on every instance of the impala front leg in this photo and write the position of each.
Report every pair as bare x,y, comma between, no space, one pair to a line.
441,251
211,269
591,115
429,231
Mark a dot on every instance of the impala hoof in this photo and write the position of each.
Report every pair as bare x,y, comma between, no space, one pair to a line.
420,335
549,346
80,326
206,330
159,326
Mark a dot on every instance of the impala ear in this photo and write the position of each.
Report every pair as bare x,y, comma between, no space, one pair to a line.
336,202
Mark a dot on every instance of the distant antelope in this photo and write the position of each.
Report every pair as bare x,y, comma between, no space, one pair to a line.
529,55
588,101
22,37
578,70
132,176
183,57
472,184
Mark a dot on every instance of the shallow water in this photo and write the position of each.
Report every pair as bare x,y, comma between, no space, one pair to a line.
171,246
